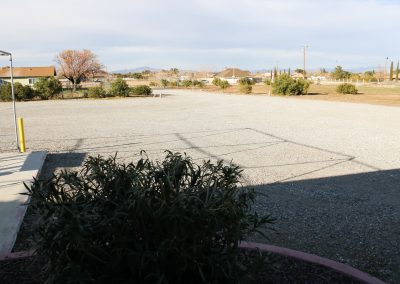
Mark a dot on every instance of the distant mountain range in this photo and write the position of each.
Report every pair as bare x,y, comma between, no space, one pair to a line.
134,70
143,68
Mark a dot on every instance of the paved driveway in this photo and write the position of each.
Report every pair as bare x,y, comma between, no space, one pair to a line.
330,170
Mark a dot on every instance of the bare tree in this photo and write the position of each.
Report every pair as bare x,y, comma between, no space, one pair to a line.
77,65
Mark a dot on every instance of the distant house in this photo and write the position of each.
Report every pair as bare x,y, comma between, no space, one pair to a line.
297,75
232,75
27,75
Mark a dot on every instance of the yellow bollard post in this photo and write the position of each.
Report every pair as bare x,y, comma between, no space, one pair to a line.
21,135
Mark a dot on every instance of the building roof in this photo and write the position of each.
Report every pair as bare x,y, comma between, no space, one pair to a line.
233,73
21,72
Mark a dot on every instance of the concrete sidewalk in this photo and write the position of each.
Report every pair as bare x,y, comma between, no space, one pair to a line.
15,169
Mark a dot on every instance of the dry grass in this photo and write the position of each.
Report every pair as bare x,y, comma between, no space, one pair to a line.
367,94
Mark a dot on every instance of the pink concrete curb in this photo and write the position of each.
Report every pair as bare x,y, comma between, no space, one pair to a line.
334,265
16,255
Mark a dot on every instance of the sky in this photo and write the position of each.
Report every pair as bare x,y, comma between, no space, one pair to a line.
204,34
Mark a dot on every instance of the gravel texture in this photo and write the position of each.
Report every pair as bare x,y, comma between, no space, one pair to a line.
329,170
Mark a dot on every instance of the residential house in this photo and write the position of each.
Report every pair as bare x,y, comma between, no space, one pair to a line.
232,75
27,75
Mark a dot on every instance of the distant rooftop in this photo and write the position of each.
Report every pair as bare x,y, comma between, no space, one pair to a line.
233,72
22,72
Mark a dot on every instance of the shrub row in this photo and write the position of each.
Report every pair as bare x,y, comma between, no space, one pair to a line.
223,84
118,90
185,83
44,88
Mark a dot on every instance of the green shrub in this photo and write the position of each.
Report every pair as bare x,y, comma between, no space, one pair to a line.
146,222
97,92
48,87
224,84
173,83
198,84
247,89
216,82
346,89
187,83
246,81
267,82
120,88
142,90
153,84
21,92
164,83
287,86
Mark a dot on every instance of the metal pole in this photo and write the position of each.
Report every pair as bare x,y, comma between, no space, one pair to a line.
304,63
13,99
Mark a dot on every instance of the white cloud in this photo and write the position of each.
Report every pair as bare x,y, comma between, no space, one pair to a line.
188,34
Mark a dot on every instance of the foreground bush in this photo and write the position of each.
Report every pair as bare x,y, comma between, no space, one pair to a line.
97,93
120,88
347,89
287,86
48,87
146,222
142,90
21,92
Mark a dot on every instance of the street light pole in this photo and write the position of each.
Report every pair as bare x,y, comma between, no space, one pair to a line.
304,61
384,73
4,53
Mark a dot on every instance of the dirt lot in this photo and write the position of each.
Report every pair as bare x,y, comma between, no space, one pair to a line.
328,171
367,94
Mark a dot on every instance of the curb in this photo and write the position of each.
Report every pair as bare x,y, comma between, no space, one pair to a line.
17,255
312,258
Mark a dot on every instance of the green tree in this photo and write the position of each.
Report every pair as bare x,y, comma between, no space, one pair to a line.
48,87
340,74
397,71
369,76
120,88
298,70
391,71
289,71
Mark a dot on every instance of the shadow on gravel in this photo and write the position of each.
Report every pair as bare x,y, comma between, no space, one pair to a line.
56,161
353,219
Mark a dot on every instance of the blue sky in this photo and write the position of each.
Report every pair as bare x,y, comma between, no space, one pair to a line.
204,34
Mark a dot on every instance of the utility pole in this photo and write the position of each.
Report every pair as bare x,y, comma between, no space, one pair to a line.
304,61
384,73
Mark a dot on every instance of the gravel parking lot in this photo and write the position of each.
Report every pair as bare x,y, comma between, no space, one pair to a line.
329,170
